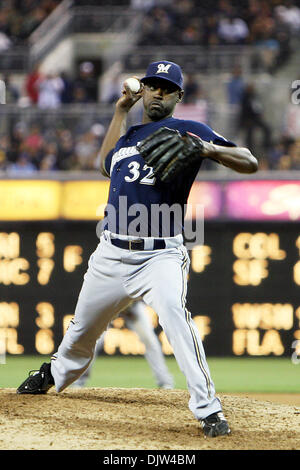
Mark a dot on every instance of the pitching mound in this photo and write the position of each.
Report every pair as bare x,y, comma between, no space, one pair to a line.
143,419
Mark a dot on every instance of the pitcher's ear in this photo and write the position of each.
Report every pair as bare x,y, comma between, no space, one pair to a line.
180,96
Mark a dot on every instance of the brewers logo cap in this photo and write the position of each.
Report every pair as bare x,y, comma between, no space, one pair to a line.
165,70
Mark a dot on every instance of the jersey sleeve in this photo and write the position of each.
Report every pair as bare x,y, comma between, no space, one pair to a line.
220,140
107,162
209,135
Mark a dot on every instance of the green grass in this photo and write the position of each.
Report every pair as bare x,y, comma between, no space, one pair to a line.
270,375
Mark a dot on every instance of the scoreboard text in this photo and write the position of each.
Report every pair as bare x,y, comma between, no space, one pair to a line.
243,291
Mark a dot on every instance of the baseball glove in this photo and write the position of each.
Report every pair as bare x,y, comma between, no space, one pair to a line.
169,153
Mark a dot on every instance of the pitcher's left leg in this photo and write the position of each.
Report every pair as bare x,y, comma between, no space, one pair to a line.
167,281
141,324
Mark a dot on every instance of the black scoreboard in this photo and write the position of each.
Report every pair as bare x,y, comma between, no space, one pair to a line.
243,291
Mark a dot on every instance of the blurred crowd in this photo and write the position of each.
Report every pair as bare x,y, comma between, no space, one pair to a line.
31,148
276,150
65,142
46,142
52,89
267,25
19,18
62,142
250,125
218,22
35,145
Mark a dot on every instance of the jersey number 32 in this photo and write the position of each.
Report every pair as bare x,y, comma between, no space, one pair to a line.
135,170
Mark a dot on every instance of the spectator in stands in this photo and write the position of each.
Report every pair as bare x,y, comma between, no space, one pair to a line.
158,27
16,138
50,89
4,21
146,31
268,49
34,141
22,165
86,150
284,163
111,88
251,118
33,144
11,91
87,82
233,30
65,156
294,153
31,84
68,88
4,146
234,91
252,10
32,20
142,5
192,34
289,14
263,36
18,19
48,163
191,88
3,161
49,159
181,16
5,42
285,154
79,95
210,31
276,152
284,50
235,86
5,32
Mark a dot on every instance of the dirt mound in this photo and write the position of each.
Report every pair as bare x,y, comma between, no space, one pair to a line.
139,419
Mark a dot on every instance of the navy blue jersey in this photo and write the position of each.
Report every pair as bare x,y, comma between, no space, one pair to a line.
134,192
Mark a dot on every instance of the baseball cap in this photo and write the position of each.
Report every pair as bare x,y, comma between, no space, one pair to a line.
165,70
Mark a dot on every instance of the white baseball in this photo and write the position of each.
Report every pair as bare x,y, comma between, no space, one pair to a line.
133,84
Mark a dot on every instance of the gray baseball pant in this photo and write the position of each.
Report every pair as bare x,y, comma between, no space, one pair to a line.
115,277
139,322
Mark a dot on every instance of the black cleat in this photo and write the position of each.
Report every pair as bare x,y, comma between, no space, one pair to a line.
38,382
215,425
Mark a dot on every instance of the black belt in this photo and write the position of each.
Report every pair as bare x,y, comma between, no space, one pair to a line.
137,245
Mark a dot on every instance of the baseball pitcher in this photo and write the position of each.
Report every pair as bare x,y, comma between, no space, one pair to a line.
140,256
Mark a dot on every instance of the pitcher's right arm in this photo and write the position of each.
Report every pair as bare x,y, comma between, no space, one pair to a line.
117,127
